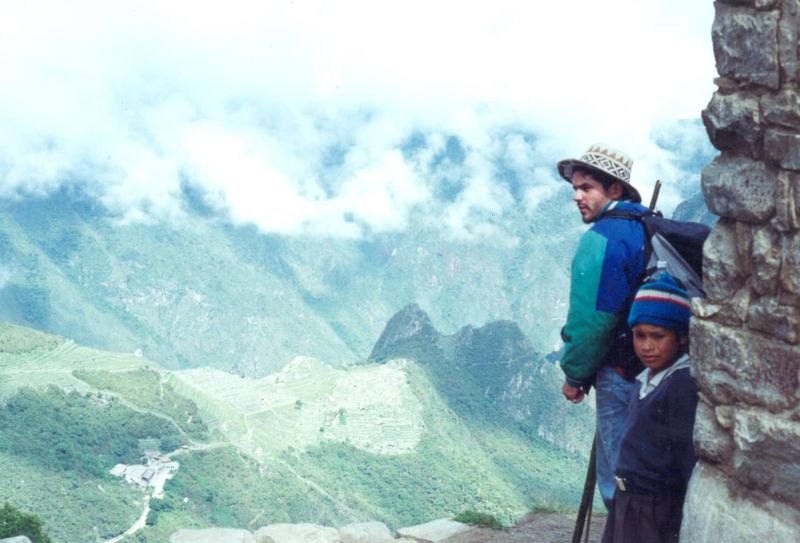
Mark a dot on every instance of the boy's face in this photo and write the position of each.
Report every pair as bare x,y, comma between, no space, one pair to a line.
655,346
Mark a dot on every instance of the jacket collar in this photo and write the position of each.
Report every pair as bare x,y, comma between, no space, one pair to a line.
622,205
650,384
608,207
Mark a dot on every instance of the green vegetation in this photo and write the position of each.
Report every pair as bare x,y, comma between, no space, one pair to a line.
413,454
19,339
408,489
14,522
479,463
460,463
70,504
492,377
475,518
57,446
144,389
226,489
29,358
552,506
34,303
56,449
75,433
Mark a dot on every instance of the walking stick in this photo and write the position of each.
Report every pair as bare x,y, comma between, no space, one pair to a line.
587,498
588,522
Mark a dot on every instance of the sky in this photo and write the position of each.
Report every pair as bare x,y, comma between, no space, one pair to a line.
332,118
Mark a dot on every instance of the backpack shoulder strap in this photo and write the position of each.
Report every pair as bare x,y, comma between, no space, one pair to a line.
630,215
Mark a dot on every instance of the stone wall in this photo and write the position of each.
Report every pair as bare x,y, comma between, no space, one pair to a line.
744,336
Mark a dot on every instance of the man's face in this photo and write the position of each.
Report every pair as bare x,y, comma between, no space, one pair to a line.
590,196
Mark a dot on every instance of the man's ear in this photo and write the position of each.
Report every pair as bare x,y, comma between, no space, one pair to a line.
683,341
616,190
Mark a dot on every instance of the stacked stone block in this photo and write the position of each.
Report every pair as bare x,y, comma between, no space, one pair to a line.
745,337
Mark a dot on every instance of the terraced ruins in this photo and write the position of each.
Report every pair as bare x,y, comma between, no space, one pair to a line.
308,403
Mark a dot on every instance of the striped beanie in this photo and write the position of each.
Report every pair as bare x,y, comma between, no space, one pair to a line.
662,302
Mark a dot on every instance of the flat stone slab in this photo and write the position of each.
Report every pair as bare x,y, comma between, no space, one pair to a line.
297,533
212,535
366,532
436,531
17,539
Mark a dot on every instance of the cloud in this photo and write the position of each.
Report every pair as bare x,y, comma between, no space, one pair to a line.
296,116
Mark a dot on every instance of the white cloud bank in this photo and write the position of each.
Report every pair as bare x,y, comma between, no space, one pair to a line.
292,115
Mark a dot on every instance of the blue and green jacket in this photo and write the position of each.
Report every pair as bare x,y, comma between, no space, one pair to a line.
605,273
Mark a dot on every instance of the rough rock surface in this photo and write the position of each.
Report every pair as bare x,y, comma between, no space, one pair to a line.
744,336
212,535
533,528
734,120
716,511
366,532
297,533
436,531
741,189
710,438
746,45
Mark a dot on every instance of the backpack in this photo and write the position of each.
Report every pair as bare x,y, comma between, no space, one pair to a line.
669,245
672,246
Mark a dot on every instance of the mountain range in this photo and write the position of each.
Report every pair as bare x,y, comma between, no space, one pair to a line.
294,378
199,293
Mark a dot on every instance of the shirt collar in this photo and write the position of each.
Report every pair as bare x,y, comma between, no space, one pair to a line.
647,387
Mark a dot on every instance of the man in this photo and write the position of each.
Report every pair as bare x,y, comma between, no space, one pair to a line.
605,273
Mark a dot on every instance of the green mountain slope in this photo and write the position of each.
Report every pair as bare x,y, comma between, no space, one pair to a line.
491,373
694,209
311,442
197,292
34,359
180,294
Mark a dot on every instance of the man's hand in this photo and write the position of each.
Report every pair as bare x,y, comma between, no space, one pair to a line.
575,395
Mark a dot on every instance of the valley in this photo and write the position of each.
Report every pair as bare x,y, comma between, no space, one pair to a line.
310,442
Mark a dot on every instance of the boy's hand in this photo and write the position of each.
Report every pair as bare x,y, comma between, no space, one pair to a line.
573,394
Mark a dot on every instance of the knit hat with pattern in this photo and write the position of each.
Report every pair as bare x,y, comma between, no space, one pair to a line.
662,302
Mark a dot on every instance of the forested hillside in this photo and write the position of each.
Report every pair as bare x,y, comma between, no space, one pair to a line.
309,443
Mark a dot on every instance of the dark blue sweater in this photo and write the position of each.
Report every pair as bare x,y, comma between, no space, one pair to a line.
656,454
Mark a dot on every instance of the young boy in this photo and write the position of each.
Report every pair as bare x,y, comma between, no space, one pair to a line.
656,454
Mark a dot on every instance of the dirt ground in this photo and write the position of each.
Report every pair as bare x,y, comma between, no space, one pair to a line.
534,528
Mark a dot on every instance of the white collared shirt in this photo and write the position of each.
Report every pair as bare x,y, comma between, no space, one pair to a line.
650,384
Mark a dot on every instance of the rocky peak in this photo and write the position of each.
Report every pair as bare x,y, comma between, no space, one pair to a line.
491,369
489,357
500,341
407,331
